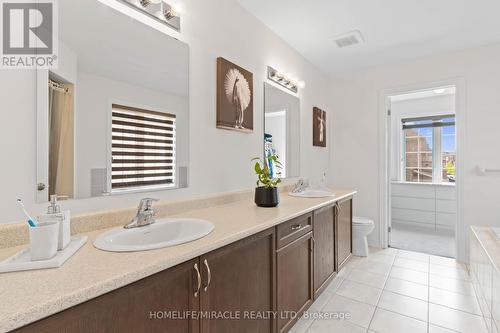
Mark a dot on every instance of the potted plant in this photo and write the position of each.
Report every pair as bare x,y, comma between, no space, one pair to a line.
266,192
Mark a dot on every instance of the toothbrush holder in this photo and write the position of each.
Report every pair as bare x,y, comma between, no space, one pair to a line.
43,240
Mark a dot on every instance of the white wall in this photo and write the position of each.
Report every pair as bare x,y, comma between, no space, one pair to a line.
219,159
355,156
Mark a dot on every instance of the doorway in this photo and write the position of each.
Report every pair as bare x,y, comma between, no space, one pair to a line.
422,170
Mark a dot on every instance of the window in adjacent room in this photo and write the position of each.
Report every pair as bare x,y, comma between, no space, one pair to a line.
429,149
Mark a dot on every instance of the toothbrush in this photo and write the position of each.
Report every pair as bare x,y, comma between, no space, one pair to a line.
31,221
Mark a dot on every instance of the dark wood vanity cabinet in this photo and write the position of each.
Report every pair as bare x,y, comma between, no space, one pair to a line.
324,248
241,281
138,307
278,272
237,277
343,232
294,272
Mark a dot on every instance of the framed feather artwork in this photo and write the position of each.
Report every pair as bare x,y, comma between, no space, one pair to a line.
234,97
319,127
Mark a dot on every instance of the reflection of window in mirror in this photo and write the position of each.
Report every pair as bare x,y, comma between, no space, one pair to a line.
142,149
61,138
275,139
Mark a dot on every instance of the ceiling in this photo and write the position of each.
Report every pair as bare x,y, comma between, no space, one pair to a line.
429,93
393,30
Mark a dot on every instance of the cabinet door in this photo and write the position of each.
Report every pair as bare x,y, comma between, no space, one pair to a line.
239,279
294,280
343,232
324,248
133,308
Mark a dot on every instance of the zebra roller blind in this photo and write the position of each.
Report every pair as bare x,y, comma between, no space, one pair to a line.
143,148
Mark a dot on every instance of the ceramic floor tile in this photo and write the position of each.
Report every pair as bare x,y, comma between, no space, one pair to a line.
371,279
415,265
335,284
354,261
320,302
407,288
359,292
390,322
453,300
449,272
301,326
444,261
494,328
374,267
381,254
349,267
333,325
409,275
437,329
413,255
386,259
404,305
358,313
456,320
454,285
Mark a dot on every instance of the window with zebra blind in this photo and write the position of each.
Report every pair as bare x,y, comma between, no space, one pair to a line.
142,148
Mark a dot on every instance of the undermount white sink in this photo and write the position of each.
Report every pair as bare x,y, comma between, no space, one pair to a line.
312,193
162,233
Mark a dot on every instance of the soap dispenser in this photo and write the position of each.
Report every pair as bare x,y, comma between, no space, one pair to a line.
54,210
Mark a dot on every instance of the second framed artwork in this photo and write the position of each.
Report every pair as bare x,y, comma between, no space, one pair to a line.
234,97
319,127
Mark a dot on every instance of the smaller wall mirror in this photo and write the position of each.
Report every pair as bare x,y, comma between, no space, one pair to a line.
282,130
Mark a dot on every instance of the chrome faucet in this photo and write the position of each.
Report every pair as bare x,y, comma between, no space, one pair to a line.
300,186
145,214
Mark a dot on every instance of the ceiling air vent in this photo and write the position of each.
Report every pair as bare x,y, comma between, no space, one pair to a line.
349,39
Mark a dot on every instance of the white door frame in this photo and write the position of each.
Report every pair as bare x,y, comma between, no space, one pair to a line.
384,146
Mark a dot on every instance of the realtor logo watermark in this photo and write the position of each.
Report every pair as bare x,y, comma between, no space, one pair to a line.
28,34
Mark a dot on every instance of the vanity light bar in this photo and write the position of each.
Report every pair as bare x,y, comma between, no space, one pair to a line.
284,80
157,9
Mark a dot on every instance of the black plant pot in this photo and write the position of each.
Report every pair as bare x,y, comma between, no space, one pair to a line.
266,196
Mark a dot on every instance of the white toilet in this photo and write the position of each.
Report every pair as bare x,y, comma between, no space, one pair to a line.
361,227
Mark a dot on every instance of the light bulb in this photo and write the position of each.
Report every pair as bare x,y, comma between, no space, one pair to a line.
301,84
170,13
147,3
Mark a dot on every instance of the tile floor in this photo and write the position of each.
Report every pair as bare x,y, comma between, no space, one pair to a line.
437,242
398,291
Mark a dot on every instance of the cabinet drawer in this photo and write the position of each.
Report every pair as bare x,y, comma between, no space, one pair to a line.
289,231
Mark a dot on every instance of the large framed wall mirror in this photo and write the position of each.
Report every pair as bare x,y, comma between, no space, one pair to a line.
113,117
282,130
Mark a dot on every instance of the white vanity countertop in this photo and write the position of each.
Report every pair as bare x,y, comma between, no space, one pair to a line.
32,295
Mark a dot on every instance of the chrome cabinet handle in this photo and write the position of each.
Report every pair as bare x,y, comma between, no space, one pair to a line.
197,292
209,278
296,226
337,209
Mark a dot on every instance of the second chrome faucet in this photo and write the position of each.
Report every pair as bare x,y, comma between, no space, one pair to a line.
145,214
